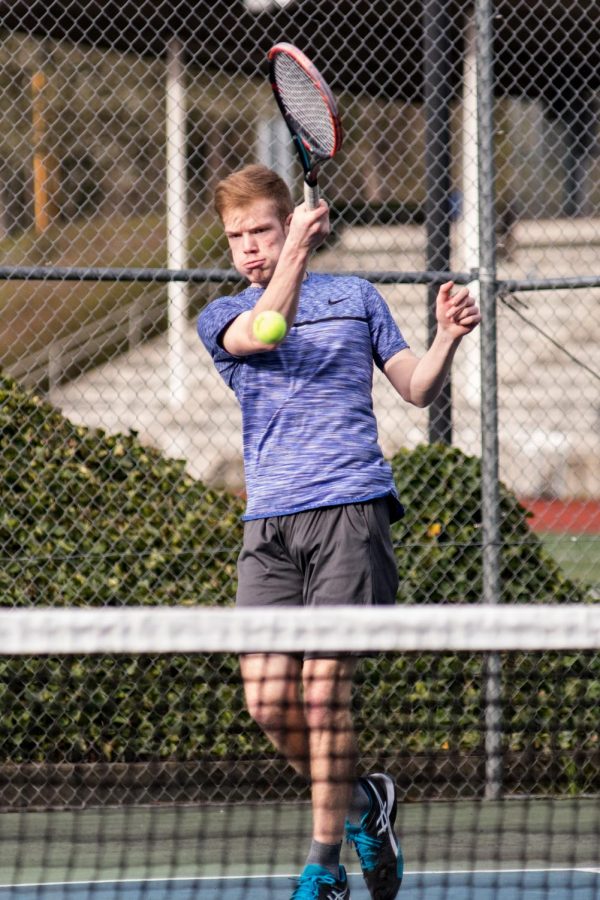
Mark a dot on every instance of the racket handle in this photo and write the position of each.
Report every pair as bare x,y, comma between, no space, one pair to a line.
311,195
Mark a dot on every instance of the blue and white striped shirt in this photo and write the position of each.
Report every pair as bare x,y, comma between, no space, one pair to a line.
309,430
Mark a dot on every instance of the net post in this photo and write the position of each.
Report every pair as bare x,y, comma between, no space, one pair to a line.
489,385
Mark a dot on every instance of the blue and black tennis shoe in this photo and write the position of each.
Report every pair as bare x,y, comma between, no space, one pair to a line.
374,839
317,883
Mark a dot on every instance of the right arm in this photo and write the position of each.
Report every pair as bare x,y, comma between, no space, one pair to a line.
307,230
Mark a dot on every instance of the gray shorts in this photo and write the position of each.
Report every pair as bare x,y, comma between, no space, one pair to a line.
320,557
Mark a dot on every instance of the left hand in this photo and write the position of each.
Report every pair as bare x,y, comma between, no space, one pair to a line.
457,314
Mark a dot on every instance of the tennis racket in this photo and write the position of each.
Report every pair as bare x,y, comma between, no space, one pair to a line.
309,110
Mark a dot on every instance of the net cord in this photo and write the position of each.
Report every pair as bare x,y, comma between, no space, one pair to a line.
407,628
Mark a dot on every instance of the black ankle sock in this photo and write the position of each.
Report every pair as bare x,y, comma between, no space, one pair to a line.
326,855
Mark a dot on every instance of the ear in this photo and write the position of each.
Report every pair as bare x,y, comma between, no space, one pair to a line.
286,224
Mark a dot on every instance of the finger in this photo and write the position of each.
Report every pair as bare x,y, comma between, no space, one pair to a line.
461,302
444,290
466,313
318,214
308,216
460,296
463,307
317,210
469,320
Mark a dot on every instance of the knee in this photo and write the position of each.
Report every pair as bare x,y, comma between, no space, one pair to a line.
266,713
269,708
271,687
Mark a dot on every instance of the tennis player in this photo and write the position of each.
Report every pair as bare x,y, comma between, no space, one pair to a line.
320,495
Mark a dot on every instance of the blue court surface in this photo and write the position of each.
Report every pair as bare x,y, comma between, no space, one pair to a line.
545,884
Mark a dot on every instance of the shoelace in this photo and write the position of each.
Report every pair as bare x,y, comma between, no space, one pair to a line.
307,887
367,847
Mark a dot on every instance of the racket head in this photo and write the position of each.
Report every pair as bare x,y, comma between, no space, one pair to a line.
307,106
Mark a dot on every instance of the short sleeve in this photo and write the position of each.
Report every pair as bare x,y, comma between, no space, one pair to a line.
386,337
212,321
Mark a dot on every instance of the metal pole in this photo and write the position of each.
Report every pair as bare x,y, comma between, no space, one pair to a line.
490,498
437,55
44,187
467,366
177,232
274,147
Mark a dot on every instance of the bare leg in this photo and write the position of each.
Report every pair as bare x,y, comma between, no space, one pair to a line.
332,743
272,684
316,734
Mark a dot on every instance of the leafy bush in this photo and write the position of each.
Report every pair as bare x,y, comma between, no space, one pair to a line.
92,519
89,518
438,542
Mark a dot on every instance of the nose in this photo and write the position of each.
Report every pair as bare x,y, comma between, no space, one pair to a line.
248,242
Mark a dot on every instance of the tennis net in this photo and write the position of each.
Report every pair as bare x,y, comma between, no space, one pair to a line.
131,767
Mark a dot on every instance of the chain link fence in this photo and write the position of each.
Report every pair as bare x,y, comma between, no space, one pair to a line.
121,447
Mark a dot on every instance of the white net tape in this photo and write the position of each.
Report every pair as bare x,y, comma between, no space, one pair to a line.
402,628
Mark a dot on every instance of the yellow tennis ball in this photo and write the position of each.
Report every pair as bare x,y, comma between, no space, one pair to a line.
269,327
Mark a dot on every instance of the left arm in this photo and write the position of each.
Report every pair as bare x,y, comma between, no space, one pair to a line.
420,380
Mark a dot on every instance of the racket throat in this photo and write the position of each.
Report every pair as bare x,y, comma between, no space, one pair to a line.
310,167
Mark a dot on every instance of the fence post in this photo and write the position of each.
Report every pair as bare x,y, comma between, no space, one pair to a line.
135,323
489,383
176,220
437,48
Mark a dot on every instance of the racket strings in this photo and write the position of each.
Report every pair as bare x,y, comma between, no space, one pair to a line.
305,103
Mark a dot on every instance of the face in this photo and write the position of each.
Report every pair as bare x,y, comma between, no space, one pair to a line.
256,237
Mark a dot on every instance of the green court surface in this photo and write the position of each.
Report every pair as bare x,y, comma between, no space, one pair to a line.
512,849
578,555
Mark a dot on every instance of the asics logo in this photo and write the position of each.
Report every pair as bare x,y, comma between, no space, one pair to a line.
337,895
383,822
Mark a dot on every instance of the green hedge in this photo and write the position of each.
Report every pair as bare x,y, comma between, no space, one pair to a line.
89,518
438,542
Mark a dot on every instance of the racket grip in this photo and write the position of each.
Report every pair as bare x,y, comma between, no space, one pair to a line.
311,195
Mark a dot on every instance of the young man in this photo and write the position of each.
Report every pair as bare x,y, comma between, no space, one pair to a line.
320,495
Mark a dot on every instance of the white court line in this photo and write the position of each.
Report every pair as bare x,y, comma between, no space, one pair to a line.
192,878
500,871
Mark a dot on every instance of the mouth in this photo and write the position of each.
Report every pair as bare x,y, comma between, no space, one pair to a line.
255,264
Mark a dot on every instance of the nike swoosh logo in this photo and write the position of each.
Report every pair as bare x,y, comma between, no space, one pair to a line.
341,300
